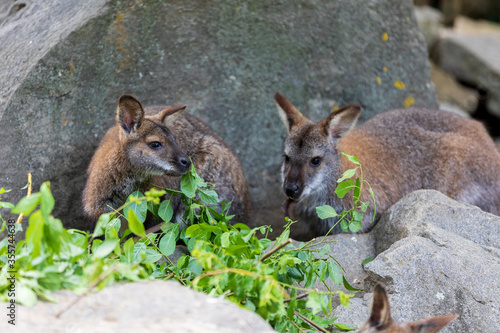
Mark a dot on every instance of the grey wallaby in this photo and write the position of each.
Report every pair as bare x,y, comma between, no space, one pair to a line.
154,145
400,151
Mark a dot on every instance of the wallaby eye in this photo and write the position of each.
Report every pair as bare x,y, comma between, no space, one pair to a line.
315,161
154,145
286,158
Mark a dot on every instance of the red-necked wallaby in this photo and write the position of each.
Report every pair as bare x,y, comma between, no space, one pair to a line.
380,320
400,151
153,145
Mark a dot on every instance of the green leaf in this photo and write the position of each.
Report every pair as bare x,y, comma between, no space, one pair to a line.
208,196
357,190
140,207
100,227
166,212
351,158
344,188
25,295
348,286
364,206
317,302
34,233
128,250
169,240
355,226
188,185
347,174
224,239
46,200
27,204
325,212
105,248
344,327
366,261
335,273
6,205
135,225
2,190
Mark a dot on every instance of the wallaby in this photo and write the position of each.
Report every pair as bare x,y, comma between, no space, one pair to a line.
154,145
380,320
400,151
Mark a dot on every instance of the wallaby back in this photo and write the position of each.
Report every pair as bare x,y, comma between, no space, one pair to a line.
400,150
380,320
153,145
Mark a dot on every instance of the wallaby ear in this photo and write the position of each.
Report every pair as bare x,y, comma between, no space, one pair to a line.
381,310
431,325
289,114
129,113
169,113
341,121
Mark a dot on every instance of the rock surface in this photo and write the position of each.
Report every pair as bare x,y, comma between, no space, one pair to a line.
470,54
436,257
64,63
158,306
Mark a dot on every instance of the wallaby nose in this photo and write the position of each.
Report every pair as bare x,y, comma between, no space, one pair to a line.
184,161
291,190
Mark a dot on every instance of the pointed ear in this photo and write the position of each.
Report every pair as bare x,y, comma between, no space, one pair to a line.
431,325
129,113
341,121
168,114
381,310
289,114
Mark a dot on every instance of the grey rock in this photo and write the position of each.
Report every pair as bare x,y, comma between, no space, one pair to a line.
159,306
417,211
474,59
430,21
439,274
436,256
64,64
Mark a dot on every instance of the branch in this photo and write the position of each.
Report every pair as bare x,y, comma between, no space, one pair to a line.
310,322
277,248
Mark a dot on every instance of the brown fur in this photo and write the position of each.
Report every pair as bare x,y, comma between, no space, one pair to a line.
400,151
124,162
380,320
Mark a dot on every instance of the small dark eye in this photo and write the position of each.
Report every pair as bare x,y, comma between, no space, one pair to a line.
154,145
286,158
316,161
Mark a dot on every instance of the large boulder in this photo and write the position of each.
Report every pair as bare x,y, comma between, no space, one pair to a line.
436,257
156,306
64,63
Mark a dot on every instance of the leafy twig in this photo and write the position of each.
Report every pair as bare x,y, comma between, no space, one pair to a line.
30,188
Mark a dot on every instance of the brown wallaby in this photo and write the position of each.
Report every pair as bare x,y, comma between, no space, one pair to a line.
380,320
153,145
400,151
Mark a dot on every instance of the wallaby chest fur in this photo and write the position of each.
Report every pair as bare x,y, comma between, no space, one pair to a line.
400,151
124,161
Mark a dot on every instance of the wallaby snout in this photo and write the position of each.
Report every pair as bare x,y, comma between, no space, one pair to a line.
400,151
292,190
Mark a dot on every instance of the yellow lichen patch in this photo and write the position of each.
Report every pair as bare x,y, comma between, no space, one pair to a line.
63,121
379,80
238,9
88,122
385,69
335,108
409,101
385,37
399,84
407,19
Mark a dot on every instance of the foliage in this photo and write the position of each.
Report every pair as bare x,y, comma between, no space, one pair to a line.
272,278
350,220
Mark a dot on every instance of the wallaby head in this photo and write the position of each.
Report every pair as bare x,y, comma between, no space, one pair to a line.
380,320
309,150
150,146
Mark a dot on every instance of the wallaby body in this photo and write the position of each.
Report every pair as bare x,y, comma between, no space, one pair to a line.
153,146
380,320
400,151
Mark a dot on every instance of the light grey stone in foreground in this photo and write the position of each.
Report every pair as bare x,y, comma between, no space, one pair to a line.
157,306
